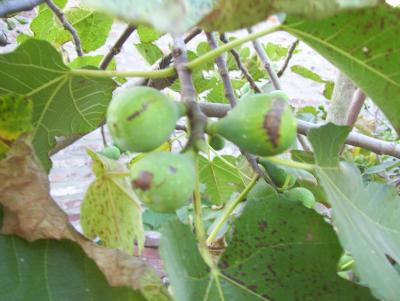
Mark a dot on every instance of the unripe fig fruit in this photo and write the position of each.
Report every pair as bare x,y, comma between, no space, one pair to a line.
278,175
216,142
301,194
164,181
111,152
261,124
140,119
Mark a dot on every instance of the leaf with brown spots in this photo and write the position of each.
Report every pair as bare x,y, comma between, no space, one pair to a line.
279,250
30,213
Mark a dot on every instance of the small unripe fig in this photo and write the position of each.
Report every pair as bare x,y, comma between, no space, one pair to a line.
261,124
216,142
140,119
278,175
164,181
301,194
111,152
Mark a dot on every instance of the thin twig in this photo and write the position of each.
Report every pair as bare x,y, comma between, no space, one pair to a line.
242,67
288,58
165,62
264,60
223,71
356,106
197,119
116,49
103,136
60,15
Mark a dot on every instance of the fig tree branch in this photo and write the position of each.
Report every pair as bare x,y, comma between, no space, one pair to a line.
13,6
288,58
60,15
197,119
264,60
116,48
241,67
356,106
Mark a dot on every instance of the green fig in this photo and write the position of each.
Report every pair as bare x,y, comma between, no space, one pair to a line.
216,142
301,194
140,119
111,152
164,181
261,124
278,175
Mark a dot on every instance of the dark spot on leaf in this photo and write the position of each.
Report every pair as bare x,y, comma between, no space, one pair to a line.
172,169
137,113
272,121
310,236
262,225
143,182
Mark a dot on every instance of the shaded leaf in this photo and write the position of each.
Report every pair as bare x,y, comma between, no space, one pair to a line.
147,34
166,16
366,216
363,45
30,213
110,209
63,104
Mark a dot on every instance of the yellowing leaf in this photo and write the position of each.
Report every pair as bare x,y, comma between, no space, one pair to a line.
110,210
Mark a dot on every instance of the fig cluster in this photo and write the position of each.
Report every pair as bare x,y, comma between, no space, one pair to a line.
141,119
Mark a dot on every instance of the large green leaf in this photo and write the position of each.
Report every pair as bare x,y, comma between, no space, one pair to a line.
167,16
279,251
110,209
364,45
63,104
367,217
221,177
52,270
92,27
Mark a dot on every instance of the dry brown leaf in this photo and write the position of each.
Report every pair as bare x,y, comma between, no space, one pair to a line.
31,213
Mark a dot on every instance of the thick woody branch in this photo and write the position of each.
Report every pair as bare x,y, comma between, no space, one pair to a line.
264,60
10,7
60,15
197,119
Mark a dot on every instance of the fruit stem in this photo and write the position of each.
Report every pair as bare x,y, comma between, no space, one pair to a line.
290,163
232,207
198,223
167,72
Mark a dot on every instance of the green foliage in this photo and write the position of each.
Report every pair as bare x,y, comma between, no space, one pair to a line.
307,73
221,177
166,16
366,216
110,209
53,270
147,34
364,51
150,52
83,61
278,175
277,249
63,104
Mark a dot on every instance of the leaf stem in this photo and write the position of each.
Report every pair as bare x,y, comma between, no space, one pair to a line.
290,163
207,57
228,212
